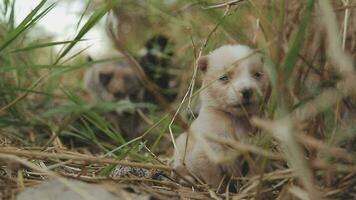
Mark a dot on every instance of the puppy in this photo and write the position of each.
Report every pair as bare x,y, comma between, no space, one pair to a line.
234,84
156,60
117,81
112,82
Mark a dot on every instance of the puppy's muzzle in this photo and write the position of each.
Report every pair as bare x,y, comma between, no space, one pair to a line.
247,95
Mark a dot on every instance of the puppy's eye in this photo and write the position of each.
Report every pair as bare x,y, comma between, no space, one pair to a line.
224,78
105,78
258,75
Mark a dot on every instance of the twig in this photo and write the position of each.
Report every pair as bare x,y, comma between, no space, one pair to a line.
317,144
80,157
342,8
121,179
241,147
319,164
228,3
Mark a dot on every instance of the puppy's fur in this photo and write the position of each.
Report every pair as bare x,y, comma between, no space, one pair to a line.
234,82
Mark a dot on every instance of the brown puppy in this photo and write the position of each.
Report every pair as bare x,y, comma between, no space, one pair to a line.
234,84
112,82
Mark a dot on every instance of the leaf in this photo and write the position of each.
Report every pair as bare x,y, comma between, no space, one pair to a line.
29,20
94,19
43,45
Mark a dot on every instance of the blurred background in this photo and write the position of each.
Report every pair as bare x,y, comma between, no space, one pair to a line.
62,22
309,48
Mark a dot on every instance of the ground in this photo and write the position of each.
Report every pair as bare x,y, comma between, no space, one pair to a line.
305,144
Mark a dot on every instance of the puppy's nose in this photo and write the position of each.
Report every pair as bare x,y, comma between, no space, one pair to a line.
247,94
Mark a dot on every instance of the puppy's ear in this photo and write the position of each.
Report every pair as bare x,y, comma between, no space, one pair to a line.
203,63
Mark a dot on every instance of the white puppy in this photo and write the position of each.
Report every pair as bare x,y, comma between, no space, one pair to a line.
234,84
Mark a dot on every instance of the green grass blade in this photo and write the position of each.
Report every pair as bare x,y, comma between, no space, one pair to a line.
43,45
12,16
94,19
25,24
83,13
298,39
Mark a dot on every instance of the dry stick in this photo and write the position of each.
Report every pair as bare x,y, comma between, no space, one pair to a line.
243,148
342,8
346,20
60,164
320,164
71,186
247,193
270,176
191,85
80,157
120,179
220,5
317,144
339,58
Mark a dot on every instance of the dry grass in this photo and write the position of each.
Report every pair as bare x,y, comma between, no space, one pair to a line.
306,145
